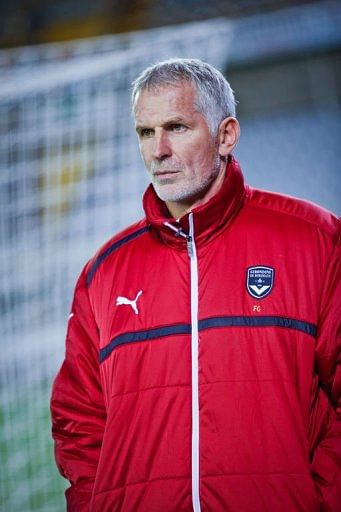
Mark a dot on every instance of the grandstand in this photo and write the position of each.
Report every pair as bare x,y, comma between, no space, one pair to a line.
71,176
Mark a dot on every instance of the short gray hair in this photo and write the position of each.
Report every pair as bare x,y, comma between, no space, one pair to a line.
215,98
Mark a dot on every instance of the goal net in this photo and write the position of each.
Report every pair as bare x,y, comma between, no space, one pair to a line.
71,176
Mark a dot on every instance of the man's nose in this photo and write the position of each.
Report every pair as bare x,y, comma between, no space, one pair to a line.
161,147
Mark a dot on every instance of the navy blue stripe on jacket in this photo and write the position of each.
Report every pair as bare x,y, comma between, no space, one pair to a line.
208,323
116,245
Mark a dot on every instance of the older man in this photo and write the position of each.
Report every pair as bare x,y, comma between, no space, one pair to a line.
201,355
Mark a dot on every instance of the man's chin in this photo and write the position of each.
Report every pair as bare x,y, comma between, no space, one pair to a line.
167,193
178,194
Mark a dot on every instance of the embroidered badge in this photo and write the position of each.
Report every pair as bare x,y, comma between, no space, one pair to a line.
260,281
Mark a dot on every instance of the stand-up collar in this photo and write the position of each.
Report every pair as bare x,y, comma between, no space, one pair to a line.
209,218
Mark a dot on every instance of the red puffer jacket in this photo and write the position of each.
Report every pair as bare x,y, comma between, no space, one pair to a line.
201,362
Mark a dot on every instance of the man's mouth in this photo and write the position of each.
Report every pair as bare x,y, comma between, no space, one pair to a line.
165,172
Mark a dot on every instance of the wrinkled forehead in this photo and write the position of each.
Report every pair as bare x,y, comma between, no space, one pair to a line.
160,106
161,90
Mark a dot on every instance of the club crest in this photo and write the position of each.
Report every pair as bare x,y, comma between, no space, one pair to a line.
260,281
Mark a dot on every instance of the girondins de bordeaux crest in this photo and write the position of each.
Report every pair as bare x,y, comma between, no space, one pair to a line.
260,281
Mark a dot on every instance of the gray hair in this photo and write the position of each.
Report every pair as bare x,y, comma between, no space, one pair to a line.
215,98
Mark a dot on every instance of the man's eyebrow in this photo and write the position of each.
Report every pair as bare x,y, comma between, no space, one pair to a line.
170,121
139,127
174,120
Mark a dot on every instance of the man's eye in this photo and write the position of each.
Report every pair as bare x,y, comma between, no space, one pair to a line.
146,132
178,127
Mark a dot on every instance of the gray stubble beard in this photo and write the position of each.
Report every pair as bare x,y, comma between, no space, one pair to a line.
183,195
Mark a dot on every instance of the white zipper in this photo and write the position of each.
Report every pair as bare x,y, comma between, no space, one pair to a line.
192,253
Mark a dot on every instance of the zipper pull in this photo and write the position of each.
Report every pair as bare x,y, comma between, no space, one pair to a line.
190,246
179,232
190,238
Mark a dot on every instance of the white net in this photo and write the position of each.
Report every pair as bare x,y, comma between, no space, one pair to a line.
71,176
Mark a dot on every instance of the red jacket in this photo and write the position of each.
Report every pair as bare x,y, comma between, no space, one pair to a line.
201,362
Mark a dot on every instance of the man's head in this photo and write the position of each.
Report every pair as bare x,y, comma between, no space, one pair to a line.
184,112
214,99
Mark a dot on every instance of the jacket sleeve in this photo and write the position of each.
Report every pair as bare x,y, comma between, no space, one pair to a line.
326,463
77,406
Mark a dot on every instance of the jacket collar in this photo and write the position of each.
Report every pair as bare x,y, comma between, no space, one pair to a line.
209,218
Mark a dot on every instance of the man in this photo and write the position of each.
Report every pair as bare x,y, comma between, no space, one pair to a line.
202,347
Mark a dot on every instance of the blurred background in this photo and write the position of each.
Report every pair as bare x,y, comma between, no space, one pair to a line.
71,175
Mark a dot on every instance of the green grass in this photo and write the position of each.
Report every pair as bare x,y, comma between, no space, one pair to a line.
28,475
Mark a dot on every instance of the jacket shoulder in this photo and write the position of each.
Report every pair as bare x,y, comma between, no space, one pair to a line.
120,239
297,211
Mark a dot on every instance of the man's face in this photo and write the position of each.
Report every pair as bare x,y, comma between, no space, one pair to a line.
179,152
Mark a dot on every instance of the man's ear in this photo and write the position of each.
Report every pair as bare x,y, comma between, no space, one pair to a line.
228,135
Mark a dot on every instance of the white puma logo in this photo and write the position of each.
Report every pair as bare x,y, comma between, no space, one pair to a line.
120,301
